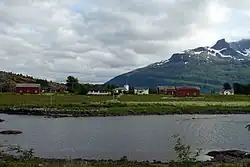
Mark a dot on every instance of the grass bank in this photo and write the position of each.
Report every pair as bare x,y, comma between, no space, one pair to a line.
36,162
76,105
185,158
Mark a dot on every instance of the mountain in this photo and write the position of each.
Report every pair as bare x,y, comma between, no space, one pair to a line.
206,67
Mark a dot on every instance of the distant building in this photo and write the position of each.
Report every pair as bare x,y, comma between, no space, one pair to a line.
98,93
28,88
181,91
121,90
227,92
141,91
187,91
168,90
126,87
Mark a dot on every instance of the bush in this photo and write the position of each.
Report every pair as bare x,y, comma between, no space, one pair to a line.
185,158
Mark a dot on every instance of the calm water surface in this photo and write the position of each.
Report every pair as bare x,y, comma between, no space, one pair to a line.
138,137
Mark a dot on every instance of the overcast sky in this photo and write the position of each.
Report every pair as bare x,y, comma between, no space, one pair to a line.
96,40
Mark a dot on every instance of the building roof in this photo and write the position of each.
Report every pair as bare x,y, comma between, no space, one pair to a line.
141,88
177,87
166,87
188,88
120,88
30,85
94,90
228,90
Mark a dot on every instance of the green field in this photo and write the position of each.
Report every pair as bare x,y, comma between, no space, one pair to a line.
80,105
79,99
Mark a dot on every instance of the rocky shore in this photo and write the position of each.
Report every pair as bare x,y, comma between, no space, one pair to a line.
10,132
229,156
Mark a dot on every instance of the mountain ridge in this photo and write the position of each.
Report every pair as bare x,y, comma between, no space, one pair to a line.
192,67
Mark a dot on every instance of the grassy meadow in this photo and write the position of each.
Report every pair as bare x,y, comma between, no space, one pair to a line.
80,105
13,99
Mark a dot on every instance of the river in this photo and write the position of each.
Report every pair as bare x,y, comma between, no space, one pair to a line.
137,137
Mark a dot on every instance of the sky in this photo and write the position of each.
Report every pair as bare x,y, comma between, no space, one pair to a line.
96,40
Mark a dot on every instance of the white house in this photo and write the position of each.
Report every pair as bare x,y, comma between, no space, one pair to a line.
141,91
122,90
227,92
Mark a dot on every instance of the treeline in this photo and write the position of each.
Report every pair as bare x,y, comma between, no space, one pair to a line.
241,88
73,86
8,82
238,88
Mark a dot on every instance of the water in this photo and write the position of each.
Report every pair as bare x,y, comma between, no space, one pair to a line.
137,137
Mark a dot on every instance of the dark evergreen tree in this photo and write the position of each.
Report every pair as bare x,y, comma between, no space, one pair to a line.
227,86
72,84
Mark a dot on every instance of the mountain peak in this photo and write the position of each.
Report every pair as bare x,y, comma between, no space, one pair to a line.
221,44
229,62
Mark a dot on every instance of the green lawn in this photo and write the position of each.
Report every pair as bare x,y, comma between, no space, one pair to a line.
156,97
17,99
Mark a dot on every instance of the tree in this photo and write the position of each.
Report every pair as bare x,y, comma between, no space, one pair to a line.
72,84
241,89
83,90
8,86
227,86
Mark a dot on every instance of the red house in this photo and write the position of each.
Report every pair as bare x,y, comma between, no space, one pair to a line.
28,88
187,91
179,91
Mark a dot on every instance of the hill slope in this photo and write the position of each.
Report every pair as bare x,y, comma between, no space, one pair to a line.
207,67
8,78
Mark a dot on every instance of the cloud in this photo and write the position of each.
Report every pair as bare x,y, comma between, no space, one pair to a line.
96,40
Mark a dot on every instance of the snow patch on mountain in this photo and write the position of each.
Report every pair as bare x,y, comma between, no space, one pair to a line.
160,63
221,50
247,52
182,52
241,53
214,52
197,53
227,56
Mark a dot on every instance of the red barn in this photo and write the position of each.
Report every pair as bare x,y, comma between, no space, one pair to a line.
168,90
187,91
28,88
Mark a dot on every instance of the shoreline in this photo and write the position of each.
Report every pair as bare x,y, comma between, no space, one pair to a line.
109,112
123,161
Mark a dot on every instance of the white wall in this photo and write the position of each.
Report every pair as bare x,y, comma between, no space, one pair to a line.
228,92
141,92
126,87
98,93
